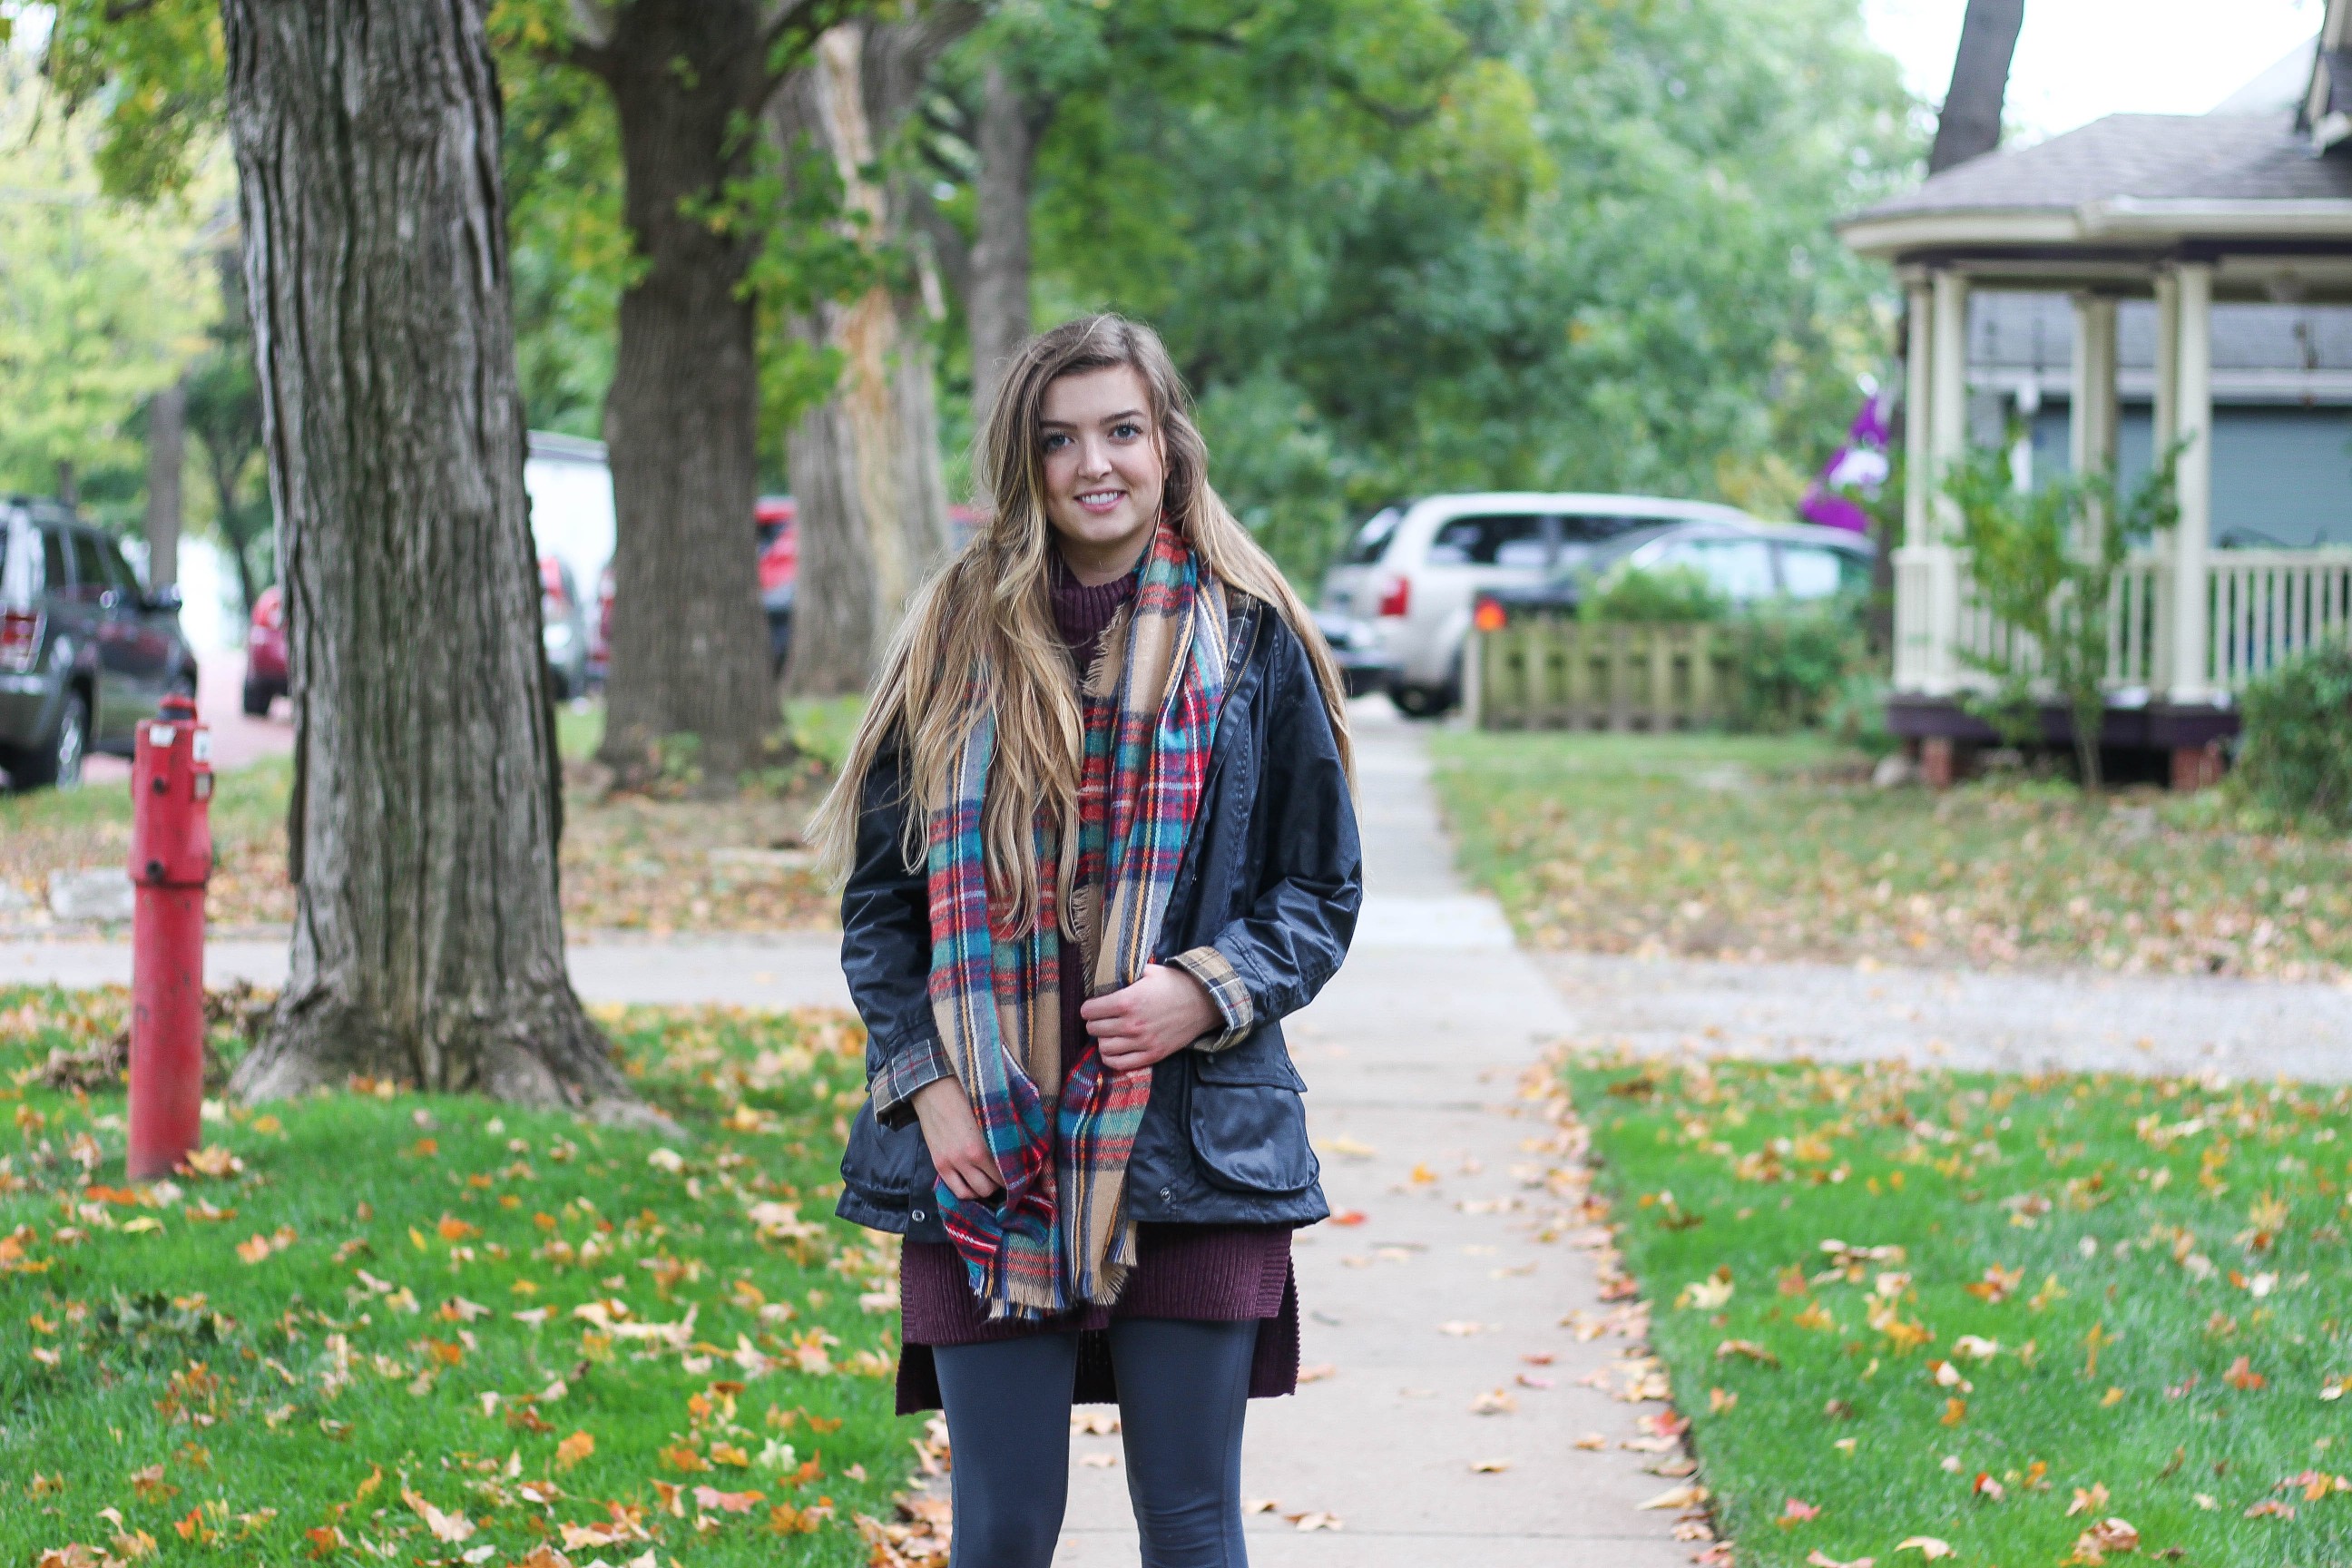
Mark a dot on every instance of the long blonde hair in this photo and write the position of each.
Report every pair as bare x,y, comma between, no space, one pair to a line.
980,634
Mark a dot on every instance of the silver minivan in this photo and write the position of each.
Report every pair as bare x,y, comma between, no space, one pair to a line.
1411,571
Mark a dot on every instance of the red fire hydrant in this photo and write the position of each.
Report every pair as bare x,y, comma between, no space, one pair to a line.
171,861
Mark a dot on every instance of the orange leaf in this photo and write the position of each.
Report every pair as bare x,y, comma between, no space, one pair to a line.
682,1456
574,1449
1796,1511
455,1229
727,1502
2242,1377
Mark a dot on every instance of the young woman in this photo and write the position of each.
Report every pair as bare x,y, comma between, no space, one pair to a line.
1098,841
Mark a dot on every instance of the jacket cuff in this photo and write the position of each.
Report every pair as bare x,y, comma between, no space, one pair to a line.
1223,983
908,1067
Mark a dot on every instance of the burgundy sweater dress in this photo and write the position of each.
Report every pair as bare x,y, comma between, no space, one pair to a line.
1205,1273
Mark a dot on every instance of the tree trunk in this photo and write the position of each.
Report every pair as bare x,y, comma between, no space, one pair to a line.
1011,125
1970,121
871,498
428,942
167,450
689,640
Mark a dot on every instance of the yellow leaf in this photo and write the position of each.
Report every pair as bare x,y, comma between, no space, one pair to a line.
1927,1546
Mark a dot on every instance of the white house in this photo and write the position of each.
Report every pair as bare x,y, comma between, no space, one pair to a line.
2186,212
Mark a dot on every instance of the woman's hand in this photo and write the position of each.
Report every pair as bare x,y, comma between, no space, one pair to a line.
952,1133
1151,1020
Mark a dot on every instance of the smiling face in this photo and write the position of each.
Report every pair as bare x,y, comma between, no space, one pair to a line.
1104,470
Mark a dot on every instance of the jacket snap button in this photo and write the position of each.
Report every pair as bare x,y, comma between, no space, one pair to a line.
1167,1191
919,1217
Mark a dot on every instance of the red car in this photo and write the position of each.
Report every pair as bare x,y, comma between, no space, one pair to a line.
780,563
265,652
776,531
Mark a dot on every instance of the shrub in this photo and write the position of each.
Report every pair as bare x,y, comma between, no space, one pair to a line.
1856,713
1669,593
2296,755
1794,658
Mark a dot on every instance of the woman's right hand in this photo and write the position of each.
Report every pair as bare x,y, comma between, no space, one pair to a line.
952,1133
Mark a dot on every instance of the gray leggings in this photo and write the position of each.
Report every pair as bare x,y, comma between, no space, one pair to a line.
1183,1390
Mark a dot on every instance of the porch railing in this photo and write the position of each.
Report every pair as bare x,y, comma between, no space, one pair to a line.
2261,606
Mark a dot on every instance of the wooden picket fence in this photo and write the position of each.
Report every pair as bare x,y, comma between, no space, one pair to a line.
1554,672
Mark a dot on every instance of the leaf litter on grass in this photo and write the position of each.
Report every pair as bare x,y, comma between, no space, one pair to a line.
1599,843
1898,1217
478,1344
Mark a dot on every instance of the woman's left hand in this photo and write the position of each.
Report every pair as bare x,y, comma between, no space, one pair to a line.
1151,1020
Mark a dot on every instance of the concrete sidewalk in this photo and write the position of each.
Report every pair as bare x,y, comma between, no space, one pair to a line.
1413,1056
2076,1020
793,969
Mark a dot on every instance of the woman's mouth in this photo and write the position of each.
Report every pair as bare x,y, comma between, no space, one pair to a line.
1100,501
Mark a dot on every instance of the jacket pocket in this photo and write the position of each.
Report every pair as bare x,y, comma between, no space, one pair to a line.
888,1171
1247,1122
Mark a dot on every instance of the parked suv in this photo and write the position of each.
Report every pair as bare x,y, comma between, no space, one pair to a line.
1413,569
86,652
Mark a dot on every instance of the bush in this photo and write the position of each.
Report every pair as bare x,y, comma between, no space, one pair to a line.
1670,594
1855,714
1794,659
2296,755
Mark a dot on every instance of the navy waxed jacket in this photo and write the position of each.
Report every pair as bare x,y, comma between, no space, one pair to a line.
1261,911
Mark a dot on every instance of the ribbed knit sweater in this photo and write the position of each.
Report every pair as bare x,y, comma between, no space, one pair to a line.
1200,1272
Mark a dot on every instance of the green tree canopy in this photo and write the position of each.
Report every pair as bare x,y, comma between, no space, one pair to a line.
101,304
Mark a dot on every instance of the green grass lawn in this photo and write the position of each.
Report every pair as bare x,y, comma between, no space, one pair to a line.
428,1328
1991,1311
1779,846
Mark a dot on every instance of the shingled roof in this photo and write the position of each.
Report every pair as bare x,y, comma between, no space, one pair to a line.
2135,157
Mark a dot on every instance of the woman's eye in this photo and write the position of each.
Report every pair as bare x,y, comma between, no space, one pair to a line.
1056,441
1126,431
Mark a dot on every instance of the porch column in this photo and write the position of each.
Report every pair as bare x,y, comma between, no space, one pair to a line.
1918,476
2192,418
2168,359
1948,395
2091,413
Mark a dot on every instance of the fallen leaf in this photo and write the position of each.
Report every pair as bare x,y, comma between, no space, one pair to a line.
2271,1508
2088,1501
1748,1348
1100,1461
1796,1511
1819,1559
2242,1377
1927,1546
574,1449
1489,1467
1688,1495
727,1502
1493,1402
1315,1520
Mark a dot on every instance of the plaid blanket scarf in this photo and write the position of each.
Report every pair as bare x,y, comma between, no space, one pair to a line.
1060,1123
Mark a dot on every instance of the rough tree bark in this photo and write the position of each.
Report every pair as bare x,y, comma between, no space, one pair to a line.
1969,124
689,643
428,943
167,450
1013,122
871,498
